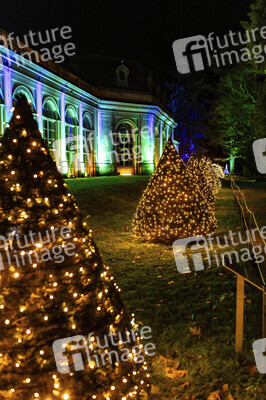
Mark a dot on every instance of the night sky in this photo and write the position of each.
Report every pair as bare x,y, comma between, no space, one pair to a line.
140,29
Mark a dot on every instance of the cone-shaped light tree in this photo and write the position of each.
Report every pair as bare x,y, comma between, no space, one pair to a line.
54,285
172,206
209,171
200,177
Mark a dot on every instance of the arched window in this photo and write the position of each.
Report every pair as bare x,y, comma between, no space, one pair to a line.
50,116
22,90
123,145
71,122
88,145
88,134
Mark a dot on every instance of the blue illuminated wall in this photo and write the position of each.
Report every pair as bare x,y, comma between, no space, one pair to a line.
42,87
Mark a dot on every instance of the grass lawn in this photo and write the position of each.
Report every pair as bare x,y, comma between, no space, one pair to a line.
189,363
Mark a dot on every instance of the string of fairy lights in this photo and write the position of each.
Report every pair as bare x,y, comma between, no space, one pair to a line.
172,206
79,285
203,176
213,181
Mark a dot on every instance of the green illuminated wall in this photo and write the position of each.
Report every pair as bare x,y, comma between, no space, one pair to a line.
39,84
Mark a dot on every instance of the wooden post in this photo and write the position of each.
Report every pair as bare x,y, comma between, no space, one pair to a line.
239,313
264,313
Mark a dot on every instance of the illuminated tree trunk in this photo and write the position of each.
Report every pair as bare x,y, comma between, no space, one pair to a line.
232,164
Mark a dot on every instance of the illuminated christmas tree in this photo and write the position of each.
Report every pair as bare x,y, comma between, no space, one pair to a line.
172,205
54,286
210,173
200,177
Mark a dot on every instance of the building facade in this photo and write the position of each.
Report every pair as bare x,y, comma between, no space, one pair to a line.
89,130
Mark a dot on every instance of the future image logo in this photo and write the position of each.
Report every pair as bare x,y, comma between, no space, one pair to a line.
71,351
191,54
259,348
259,150
190,247
196,53
223,249
75,353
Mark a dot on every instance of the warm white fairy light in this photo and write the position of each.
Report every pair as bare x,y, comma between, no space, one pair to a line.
78,282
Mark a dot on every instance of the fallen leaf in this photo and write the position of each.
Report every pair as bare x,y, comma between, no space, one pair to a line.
175,374
225,387
184,385
252,370
176,365
195,331
217,395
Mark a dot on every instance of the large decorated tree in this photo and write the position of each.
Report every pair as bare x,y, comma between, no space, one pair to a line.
54,285
172,206
210,172
201,177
